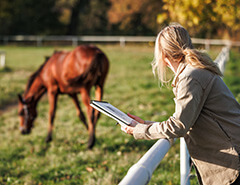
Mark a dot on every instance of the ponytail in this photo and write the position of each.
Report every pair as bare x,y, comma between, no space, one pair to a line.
200,60
175,43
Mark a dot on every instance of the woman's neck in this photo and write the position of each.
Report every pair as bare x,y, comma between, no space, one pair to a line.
172,65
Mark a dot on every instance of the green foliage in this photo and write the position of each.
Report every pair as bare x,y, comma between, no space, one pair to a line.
94,20
130,86
29,17
203,18
133,17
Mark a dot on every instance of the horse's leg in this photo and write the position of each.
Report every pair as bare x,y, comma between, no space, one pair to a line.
79,110
52,98
98,96
91,127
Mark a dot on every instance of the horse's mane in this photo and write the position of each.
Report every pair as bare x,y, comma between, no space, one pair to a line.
35,74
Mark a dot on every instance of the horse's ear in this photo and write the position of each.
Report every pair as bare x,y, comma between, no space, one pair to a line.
47,58
20,98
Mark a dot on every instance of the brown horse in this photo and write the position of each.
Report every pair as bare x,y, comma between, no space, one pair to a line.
66,73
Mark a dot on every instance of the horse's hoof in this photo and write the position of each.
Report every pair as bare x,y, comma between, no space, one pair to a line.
91,143
48,139
90,147
25,131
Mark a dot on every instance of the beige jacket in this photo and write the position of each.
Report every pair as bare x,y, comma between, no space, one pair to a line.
208,117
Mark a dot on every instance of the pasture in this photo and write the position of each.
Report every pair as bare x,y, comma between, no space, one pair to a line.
130,86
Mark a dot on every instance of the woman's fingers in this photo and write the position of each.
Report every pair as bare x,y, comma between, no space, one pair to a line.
139,120
133,123
126,129
132,116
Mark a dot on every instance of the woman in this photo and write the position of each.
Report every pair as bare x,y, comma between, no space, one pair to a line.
206,113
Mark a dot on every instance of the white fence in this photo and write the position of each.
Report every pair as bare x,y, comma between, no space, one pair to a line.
184,163
222,58
75,40
141,172
2,59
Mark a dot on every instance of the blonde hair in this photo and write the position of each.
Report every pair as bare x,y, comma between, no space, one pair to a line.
175,43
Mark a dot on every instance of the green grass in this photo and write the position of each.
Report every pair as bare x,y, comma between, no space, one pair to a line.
130,86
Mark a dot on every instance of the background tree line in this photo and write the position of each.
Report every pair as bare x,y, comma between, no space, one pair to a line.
203,18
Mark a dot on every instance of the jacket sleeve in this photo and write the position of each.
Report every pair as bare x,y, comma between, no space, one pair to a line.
188,105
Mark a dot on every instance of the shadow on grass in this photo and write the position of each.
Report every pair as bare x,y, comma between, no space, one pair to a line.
44,148
5,69
10,160
131,145
6,105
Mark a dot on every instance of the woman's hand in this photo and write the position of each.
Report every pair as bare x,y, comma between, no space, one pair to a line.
139,120
129,129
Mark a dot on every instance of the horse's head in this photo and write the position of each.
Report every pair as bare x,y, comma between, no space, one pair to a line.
27,114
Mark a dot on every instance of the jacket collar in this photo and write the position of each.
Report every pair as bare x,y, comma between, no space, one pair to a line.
180,68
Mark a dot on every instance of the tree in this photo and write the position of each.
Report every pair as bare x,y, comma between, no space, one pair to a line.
135,17
94,20
28,17
78,6
203,18
84,17
229,16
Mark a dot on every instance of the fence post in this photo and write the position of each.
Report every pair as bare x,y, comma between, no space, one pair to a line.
207,45
2,59
184,163
39,41
74,41
122,41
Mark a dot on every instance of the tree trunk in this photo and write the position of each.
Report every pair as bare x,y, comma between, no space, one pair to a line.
78,7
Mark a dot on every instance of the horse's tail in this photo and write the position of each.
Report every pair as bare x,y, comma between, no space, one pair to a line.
95,73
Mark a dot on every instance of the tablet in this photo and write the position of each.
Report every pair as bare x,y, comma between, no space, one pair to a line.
111,111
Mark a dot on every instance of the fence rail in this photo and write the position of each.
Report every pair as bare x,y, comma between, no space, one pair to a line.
74,40
141,172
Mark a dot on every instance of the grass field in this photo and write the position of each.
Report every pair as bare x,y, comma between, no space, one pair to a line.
130,86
